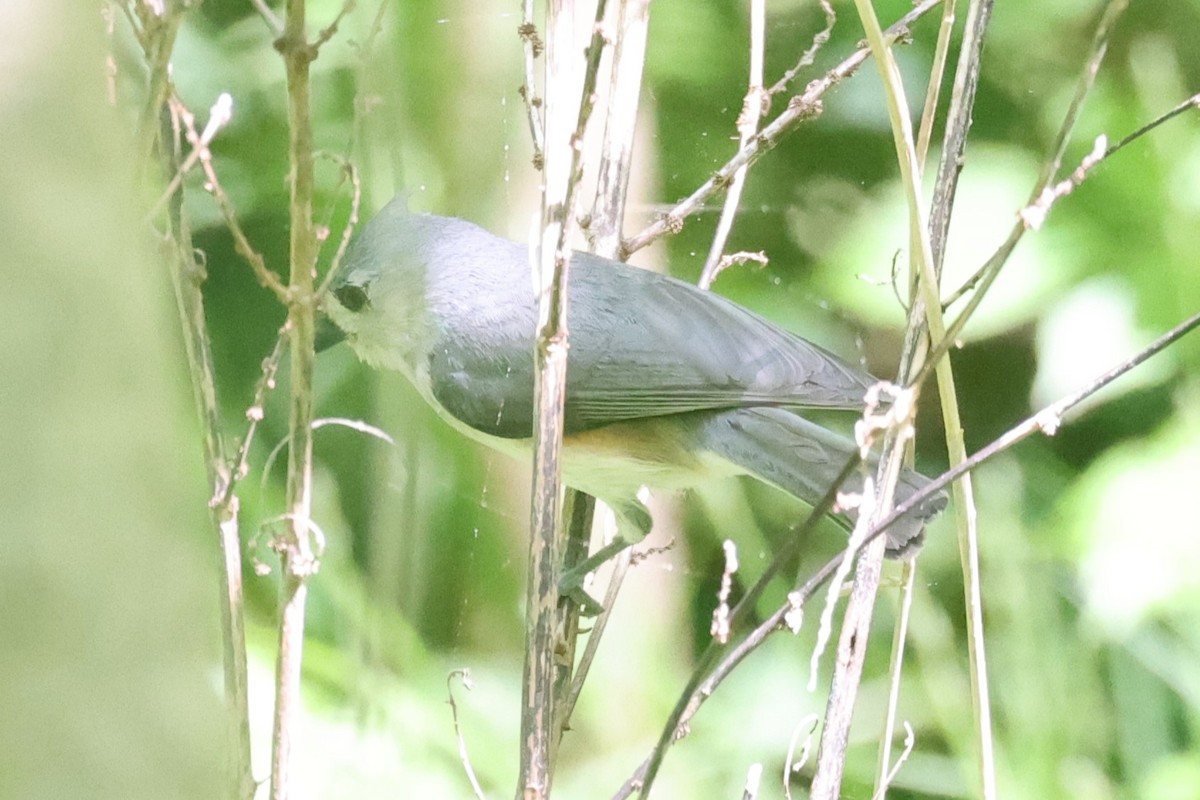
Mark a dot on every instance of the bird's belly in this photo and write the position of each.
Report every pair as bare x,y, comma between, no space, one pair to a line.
615,461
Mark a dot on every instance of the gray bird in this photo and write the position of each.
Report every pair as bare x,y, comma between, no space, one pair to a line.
667,385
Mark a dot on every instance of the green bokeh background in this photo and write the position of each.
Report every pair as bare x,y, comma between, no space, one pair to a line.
109,650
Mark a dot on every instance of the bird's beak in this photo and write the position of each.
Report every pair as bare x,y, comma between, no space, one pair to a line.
327,334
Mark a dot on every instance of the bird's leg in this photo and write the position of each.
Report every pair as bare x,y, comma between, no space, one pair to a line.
633,523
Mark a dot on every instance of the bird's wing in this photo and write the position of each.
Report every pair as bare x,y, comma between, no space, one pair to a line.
641,345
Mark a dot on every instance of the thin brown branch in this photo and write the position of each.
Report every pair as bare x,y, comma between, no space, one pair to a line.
266,278
616,148
351,172
218,117
300,559
254,414
533,47
799,109
808,56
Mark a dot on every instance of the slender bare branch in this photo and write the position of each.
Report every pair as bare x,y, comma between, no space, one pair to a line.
464,757
753,107
806,58
616,148
266,278
799,109
533,47
300,560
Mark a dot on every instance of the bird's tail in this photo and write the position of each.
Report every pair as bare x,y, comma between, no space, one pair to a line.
804,459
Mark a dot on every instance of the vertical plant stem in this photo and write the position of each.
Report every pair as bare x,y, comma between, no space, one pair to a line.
550,358
616,149
966,81
188,276
856,626
299,558
913,353
224,508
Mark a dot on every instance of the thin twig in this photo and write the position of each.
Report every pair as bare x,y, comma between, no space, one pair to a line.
218,117
599,625
299,559
958,123
885,773
800,108
753,107
188,275
809,55
791,763
348,231
329,31
159,25
909,741
986,274
616,147
852,644
274,24
712,662
915,346
254,414
241,243
532,46
464,757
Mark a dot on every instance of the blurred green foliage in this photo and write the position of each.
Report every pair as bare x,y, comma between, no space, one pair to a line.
1090,548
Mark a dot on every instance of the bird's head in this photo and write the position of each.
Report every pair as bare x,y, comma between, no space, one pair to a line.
376,301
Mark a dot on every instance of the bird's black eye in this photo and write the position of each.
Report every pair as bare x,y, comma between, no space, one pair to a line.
354,298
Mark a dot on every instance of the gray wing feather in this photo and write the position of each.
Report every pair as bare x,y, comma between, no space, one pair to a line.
641,345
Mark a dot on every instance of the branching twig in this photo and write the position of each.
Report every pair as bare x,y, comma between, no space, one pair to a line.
258,264
856,623
218,117
988,272
254,414
351,222
801,107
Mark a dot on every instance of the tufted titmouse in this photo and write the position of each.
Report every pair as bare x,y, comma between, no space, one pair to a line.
667,385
